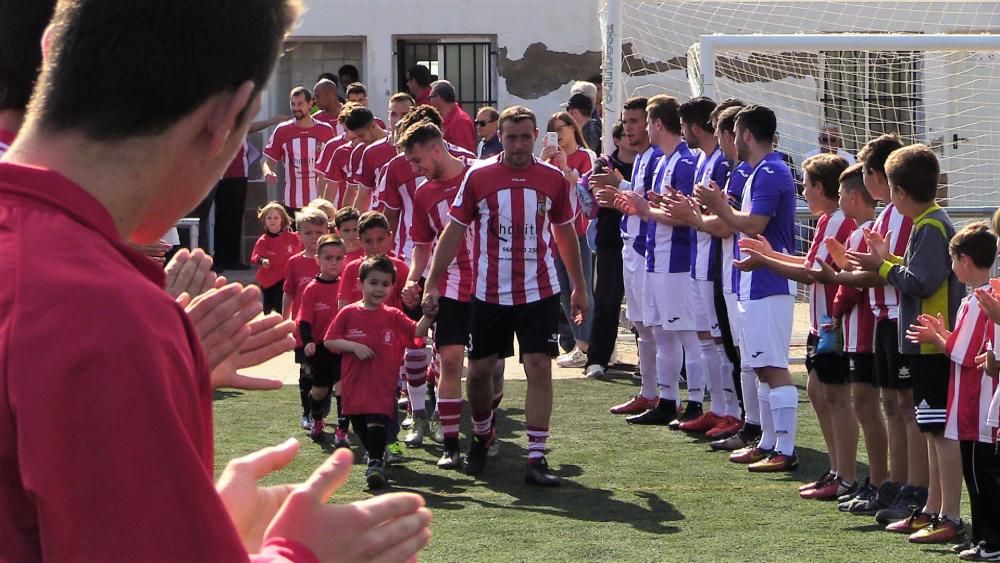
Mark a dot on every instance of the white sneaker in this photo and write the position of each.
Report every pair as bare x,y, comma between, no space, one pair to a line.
594,371
572,359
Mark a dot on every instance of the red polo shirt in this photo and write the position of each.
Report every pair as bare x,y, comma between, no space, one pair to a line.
459,130
88,335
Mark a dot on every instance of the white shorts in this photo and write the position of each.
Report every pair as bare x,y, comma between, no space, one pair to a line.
634,269
703,305
766,331
665,303
734,317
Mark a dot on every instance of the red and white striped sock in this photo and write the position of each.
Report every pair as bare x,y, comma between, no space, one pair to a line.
450,412
496,405
537,435
481,424
416,361
434,371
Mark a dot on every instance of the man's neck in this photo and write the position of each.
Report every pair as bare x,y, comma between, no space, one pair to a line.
828,208
451,167
670,143
447,110
868,214
641,148
921,208
979,278
757,153
305,123
11,120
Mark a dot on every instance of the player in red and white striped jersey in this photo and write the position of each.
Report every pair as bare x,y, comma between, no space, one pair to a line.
325,98
376,152
851,306
332,190
973,252
427,153
297,144
511,202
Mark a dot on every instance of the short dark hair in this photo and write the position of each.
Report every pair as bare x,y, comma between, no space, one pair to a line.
760,121
825,169
853,180
876,151
698,111
723,106
915,170
301,91
618,130
329,76
419,74
444,90
344,215
516,114
977,242
21,28
102,85
356,88
636,103
402,97
351,71
357,117
664,108
490,111
378,263
372,220
726,119
582,103
418,134
329,240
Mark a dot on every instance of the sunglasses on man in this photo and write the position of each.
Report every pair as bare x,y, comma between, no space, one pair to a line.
483,122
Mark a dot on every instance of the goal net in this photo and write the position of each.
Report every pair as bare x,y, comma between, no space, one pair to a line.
928,71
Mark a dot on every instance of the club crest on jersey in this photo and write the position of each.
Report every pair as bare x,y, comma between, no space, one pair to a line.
541,208
291,249
387,336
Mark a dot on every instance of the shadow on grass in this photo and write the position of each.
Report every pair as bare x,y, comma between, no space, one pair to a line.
223,394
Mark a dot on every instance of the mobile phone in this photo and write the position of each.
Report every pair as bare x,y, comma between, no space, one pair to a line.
551,139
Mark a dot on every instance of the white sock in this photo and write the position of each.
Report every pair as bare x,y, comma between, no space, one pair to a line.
668,363
731,401
694,364
785,407
713,372
647,360
751,404
767,437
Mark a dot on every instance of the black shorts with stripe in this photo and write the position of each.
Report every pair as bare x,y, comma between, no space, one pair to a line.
930,373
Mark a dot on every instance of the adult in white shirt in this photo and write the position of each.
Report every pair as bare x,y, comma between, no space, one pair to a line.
830,141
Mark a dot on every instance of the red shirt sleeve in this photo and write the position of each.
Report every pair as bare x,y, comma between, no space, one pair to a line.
406,327
845,300
421,230
389,197
563,211
338,328
279,550
464,209
258,249
289,286
306,304
275,145
349,282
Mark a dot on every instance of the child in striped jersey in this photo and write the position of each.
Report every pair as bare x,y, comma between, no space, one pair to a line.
852,310
973,250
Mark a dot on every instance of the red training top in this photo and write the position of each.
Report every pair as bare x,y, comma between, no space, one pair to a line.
350,289
318,305
369,386
127,366
277,249
298,273
459,130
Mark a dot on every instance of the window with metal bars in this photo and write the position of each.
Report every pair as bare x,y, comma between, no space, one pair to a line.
468,65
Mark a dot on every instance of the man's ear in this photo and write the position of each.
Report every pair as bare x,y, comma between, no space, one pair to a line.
231,112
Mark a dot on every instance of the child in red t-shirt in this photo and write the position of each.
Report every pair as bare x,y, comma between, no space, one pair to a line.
346,221
372,338
302,269
272,251
376,240
317,309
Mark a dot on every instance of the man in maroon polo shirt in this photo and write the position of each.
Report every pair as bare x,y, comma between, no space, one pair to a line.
128,353
458,128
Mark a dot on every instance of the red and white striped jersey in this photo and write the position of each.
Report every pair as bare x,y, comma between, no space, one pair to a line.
325,167
838,226
431,206
330,120
356,155
512,210
396,190
885,299
376,155
858,321
6,140
970,389
298,150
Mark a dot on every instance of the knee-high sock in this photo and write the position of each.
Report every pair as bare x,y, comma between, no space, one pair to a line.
730,399
450,411
694,364
751,402
498,372
416,360
377,439
305,386
668,363
785,407
647,360
713,373
343,422
537,437
767,437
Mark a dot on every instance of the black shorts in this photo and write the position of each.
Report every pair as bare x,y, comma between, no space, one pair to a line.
930,374
325,367
861,367
493,327
451,325
892,369
300,355
830,367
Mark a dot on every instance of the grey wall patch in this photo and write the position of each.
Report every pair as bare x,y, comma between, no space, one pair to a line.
541,71
757,67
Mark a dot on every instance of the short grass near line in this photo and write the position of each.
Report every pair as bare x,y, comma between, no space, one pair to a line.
630,493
